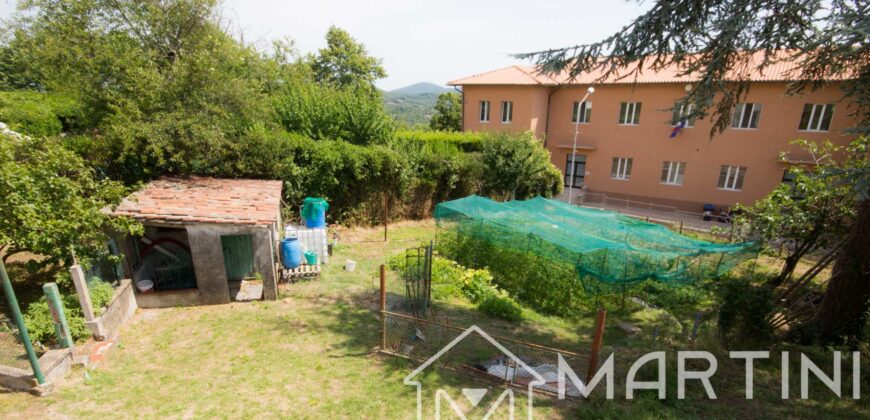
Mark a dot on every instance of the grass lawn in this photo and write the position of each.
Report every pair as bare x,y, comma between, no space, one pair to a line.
310,355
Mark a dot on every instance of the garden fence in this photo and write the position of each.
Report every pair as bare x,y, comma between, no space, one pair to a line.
420,339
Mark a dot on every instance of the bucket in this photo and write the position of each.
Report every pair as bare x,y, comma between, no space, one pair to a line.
349,265
291,253
314,212
145,285
311,258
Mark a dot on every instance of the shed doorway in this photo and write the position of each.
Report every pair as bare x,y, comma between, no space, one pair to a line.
238,251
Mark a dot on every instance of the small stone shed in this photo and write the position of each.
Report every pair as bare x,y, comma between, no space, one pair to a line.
203,238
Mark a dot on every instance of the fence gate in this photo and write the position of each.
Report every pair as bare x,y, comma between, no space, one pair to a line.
418,279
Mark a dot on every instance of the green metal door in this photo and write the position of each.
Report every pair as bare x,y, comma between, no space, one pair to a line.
238,256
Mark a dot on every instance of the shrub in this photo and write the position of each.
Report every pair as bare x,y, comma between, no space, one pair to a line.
518,167
38,319
450,279
743,313
39,114
500,305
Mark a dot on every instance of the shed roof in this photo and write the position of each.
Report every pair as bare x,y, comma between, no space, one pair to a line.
782,68
204,200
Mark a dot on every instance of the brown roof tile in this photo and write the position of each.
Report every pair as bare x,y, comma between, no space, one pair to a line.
204,200
778,71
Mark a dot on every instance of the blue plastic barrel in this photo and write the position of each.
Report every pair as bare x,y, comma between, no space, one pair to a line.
291,253
314,212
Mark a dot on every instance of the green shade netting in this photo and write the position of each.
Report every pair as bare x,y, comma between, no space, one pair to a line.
604,245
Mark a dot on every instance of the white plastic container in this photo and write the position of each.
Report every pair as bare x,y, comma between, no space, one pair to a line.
349,265
145,285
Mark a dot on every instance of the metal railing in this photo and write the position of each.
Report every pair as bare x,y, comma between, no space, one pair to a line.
653,212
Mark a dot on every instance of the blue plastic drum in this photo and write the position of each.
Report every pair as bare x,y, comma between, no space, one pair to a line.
291,253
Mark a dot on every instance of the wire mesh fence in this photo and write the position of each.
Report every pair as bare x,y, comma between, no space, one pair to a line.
473,351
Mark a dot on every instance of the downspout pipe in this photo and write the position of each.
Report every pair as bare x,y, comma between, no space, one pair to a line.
462,101
547,114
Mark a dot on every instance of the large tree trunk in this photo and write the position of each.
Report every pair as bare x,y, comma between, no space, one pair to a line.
844,306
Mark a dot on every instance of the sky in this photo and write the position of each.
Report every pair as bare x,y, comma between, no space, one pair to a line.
429,41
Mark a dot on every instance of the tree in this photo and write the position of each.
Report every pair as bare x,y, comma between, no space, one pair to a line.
165,88
714,40
518,167
324,112
809,214
52,202
346,63
448,113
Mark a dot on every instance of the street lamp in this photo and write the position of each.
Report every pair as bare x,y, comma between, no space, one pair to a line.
589,91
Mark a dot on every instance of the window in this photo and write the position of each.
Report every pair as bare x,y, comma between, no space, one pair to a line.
629,113
672,172
579,170
582,112
681,112
746,116
484,111
731,177
816,117
507,112
621,168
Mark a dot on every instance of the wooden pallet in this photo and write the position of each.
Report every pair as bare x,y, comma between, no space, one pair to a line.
301,272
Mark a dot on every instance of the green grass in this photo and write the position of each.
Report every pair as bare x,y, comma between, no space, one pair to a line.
310,354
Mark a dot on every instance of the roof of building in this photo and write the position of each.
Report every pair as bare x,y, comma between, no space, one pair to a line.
781,69
204,200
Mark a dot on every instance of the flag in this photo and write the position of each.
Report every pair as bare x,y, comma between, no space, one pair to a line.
678,128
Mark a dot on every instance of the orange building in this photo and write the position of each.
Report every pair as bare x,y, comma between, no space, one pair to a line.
625,148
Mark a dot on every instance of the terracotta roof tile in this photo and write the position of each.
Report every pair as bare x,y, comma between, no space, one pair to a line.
204,200
778,71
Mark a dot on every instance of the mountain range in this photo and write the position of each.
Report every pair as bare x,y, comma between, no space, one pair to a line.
413,105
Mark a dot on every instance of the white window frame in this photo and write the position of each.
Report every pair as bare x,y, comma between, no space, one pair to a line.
507,112
623,168
690,122
632,113
675,173
581,111
740,114
817,114
483,111
732,175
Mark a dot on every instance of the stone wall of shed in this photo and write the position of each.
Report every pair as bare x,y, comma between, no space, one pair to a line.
208,259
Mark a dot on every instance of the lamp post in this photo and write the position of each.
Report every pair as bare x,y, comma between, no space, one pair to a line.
589,91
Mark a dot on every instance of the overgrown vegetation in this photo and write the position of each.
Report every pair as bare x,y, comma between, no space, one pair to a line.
450,279
40,324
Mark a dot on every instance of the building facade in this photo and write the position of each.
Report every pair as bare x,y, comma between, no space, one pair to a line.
629,147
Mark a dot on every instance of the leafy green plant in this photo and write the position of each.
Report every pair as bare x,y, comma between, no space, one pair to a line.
500,305
744,312
39,322
450,279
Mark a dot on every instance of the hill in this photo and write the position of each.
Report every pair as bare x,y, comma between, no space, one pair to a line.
413,105
420,88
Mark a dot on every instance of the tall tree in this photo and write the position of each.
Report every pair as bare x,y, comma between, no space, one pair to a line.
161,80
448,113
52,201
345,62
714,40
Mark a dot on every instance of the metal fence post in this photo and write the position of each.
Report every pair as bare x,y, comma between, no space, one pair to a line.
596,344
19,321
383,307
55,306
